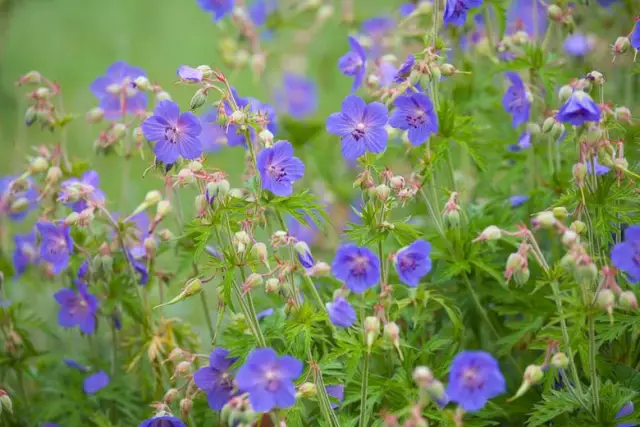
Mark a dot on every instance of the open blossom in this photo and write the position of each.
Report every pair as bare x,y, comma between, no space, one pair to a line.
77,308
600,169
175,134
626,410
189,74
213,135
163,421
474,378
357,266
215,379
579,109
116,90
260,11
25,253
279,169
518,200
341,313
353,63
455,11
336,391
413,262
360,127
516,100
76,193
377,29
577,44
269,379
56,245
414,112
298,96
17,199
521,18
219,8
626,254
95,382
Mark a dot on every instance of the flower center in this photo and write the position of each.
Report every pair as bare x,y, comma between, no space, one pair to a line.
407,263
359,265
277,173
471,378
172,134
359,131
416,119
272,380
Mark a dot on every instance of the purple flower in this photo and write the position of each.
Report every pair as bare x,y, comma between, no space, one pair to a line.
600,169
55,245
266,111
635,36
264,313
341,313
189,74
298,96
96,382
520,17
116,90
623,412
213,135
579,109
260,10
136,230
516,100
413,262
577,44
26,252
386,73
77,308
626,255
175,134
455,11
304,254
518,200
524,141
17,198
279,169
336,391
163,420
414,112
377,28
215,380
219,8
360,127
474,378
405,69
606,3
353,63
75,365
407,9
269,379
76,193
357,267
302,232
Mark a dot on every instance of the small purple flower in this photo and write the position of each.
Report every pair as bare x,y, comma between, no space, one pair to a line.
357,267
96,382
56,245
76,193
413,262
405,69
302,232
353,63
189,74
298,96
524,141
360,127
623,412
266,111
219,8
175,134
407,9
279,169
579,109
163,421
336,391
215,380
626,255
341,313
26,252
635,36
17,199
577,44
600,169
264,313
474,378
75,365
377,28
414,112
213,135
77,308
260,10
304,254
455,11
269,379
386,73
116,89
516,100
518,200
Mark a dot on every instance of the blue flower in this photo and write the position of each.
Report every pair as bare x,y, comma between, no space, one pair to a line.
625,255
524,141
17,197
341,313
79,193
336,391
474,378
357,267
577,44
269,379
301,231
600,169
56,245
215,380
414,112
518,200
213,135
96,382
579,109
264,313
516,100
267,112
26,252
455,11
189,74
353,63
627,409
405,69
520,17
77,308
75,365
407,9
298,96
279,169
304,254
360,127
219,8
413,262
260,10
386,73
163,421
116,90
635,36
377,28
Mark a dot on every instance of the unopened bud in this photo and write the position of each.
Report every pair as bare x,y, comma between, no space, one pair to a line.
533,128
72,218
606,299
565,93
143,83
628,301
569,238
241,239
304,254
236,193
163,96
451,218
533,374
547,125
176,354
382,192
280,238
185,406
521,276
397,182
170,395
422,376
259,250
623,114
579,172
520,38
594,133
391,332
272,285
266,137
307,389
186,177
545,219
200,203
198,99
182,368
371,330
447,70
19,205
237,116
324,12
560,212
31,78
165,235
490,233
560,361
191,288
54,174
253,281
586,273
30,116
152,197
596,77
38,165
319,269
163,209
621,45
95,115
578,226
5,402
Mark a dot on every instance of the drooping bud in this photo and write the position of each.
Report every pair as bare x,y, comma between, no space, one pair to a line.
253,281
565,93
95,115
307,389
560,361
533,128
5,402
560,212
437,392
198,99
422,376
259,250
280,238
304,254
391,333
272,285
182,368
176,354
30,116
397,182
38,165
490,233
623,114
533,374
545,219
621,45
241,239
237,117
578,226
579,172
170,395
520,38
319,269
628,301
448,70
200,203
163,209
53,175
371,330
72,218
569,238
266,137
594,133
31,78
152,197
191,288
163,96
606,300
185,406
382,192
586,272
547,125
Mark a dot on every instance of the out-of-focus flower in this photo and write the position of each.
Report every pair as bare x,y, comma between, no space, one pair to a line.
518,200
163,421
625,255
219,8
298,96
96,382
56,245
455,11
77,308
341,313
77,193
579,109
516,101
405,69
336,391
577,44
600,169
17,199
25,253
213,135
116,90
623,412
353,63
189,74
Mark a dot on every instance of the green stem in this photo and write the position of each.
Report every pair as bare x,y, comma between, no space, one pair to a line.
364,389
207,315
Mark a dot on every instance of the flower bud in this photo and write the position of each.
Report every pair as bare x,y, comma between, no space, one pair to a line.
623,114
241,239
569,238
200,203
280,238
397,182
545,219
253,281
560,212
185,406
152,197
236,193
118,130
568,262
170,395
142,83
324,12
72,218
165,235
198,99
186,177
38,165
628,301
621,45
515,262
266,137
437,392
391,332
95,115
182,368
371,330
620,164
21,204
547,125
5,402
606,300
586,273
594,133
565,93
382,192
307,389
191,288
30,116
304,254
447,70
560,361
422,376
533,128
521,276
163,209
451,218
163,96
533,374
319,269
237,116
579,172
259,250
176,354
557,129
272,285
53,175
520,38
490,233
578,226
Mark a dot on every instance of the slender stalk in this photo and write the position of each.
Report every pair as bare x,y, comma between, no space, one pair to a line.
364,390
207,315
